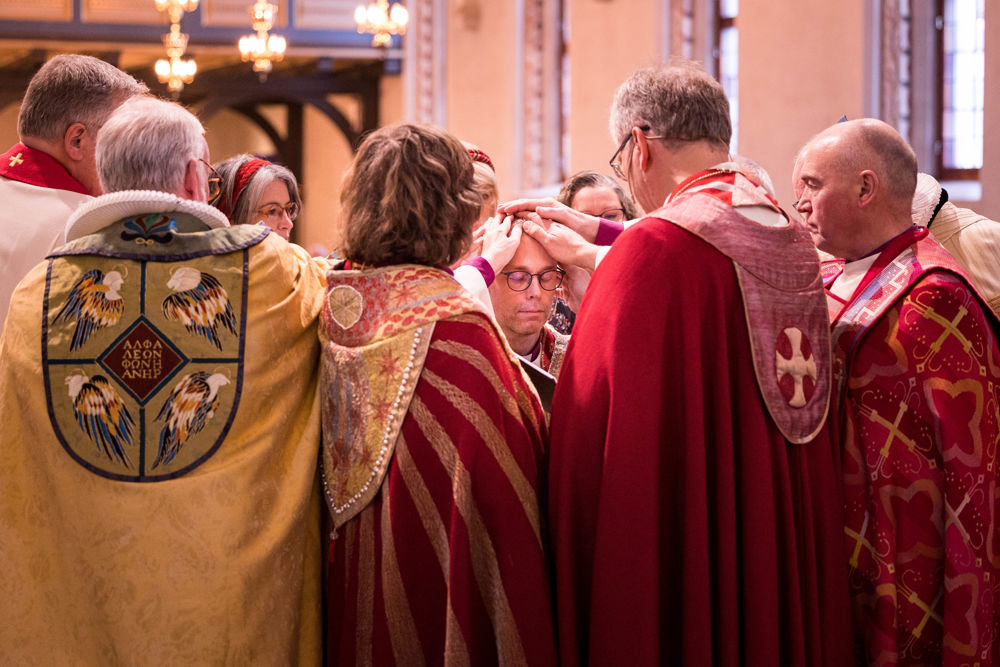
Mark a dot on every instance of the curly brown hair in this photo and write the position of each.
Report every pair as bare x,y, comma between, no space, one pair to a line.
409,198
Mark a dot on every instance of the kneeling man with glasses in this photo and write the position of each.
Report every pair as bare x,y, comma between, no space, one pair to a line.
522,297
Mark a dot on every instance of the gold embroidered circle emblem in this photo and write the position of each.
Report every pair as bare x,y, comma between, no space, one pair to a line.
346,305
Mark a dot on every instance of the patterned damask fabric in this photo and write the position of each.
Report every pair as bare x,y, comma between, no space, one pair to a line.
783,302
375,329
433,449
919,461
553,350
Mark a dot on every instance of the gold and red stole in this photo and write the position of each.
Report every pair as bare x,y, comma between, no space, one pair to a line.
903,263
917,371
375,329
433,443
553,350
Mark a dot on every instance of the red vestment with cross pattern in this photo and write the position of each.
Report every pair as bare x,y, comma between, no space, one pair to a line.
918,370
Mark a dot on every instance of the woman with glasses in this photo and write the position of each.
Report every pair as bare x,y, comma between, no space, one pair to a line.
601,196
595,194
258,192
432,437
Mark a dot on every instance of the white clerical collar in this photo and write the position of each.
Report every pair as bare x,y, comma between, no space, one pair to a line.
531,356
852,275
534,353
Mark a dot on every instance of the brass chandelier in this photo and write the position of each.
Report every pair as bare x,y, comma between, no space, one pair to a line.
175,71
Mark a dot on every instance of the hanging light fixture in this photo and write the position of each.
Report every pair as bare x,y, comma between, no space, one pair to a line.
261,48
175,71
383,22
176,8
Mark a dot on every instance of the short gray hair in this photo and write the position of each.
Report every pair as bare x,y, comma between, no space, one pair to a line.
146,145
72,88
869,143
248,200
679,102
893,158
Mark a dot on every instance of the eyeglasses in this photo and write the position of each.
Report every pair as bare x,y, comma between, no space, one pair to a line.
615,161
274,211
521,280
214,182
613,214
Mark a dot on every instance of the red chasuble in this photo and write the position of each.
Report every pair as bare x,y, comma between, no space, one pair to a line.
918,370
433,443
687,528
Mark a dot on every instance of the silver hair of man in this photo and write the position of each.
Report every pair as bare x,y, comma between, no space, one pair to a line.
679,102
245,210
73,88
146,144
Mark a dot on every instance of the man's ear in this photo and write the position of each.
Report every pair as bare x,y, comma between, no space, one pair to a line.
869,187
192,179
643,147
73,140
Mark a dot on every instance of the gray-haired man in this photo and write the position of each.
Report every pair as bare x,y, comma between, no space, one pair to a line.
51,170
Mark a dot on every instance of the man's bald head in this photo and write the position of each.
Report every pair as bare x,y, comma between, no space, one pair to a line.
855,183
871,144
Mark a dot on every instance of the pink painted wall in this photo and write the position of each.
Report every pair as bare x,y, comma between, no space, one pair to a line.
608,41
480,82
801,67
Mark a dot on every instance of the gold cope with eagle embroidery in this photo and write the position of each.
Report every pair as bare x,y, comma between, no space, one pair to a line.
142,360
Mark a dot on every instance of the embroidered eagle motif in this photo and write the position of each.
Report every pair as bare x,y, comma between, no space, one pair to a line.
200,303
189,407
94,302
102,415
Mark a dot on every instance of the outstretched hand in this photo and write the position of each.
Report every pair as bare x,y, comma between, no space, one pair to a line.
574,285
500,241
476,247
564,245
551,210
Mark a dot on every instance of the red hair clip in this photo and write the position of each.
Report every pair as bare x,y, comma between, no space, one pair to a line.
241,179
479,156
